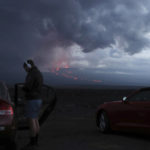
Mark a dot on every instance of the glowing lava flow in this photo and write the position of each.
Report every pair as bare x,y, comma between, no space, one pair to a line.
61,67
65,72
97,81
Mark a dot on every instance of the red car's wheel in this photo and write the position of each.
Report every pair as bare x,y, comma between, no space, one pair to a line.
103,122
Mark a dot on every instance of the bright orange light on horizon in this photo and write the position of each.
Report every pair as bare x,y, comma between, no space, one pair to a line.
68,74
97,81
75,78
61,66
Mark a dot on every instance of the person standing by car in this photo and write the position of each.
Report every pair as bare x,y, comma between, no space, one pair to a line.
32,89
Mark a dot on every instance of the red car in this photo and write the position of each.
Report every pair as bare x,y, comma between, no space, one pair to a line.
12,116
132,113
7,118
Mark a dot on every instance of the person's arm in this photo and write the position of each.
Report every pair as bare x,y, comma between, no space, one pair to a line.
28,84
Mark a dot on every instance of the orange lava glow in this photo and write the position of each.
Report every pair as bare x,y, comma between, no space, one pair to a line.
97,81
75,78
61,68
61,63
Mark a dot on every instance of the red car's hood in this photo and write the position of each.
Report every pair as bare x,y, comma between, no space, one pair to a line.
105,104
113,102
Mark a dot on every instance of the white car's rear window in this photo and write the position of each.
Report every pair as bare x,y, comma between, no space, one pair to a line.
4,93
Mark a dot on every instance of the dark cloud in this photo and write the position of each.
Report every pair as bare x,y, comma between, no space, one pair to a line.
28,28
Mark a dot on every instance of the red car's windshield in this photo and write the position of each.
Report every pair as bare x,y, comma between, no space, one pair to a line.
4,93
141,95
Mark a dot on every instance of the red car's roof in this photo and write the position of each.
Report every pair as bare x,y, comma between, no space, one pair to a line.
3,102
145,89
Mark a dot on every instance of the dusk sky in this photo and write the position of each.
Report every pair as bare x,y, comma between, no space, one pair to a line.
94,36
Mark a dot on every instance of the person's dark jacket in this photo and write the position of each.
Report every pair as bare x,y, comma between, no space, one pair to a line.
33,84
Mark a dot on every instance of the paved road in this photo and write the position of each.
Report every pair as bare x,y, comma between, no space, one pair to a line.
72,125
71,130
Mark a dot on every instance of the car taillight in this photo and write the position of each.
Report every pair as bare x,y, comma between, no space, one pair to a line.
6,110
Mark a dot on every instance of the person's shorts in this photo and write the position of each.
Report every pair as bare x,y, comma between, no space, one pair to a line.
32,108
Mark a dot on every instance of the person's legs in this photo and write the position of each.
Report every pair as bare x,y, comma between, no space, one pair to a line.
32,132
37,130
37,126
39,103
32,127
32,111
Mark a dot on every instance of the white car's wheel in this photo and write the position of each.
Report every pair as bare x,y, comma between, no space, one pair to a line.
103,122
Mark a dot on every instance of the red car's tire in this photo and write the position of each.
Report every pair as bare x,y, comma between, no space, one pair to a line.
103,122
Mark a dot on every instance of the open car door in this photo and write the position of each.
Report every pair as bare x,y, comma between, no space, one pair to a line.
4,92
49,101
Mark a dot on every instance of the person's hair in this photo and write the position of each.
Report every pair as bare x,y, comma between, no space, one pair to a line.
29,61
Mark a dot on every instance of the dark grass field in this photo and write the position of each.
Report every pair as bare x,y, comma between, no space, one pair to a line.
72,126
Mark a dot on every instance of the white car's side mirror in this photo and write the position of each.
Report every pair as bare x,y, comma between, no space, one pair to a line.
124,98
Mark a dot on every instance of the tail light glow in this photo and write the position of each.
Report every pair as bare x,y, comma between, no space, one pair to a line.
6,110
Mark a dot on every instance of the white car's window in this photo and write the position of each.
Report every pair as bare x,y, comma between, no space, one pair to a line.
141,96
4,93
